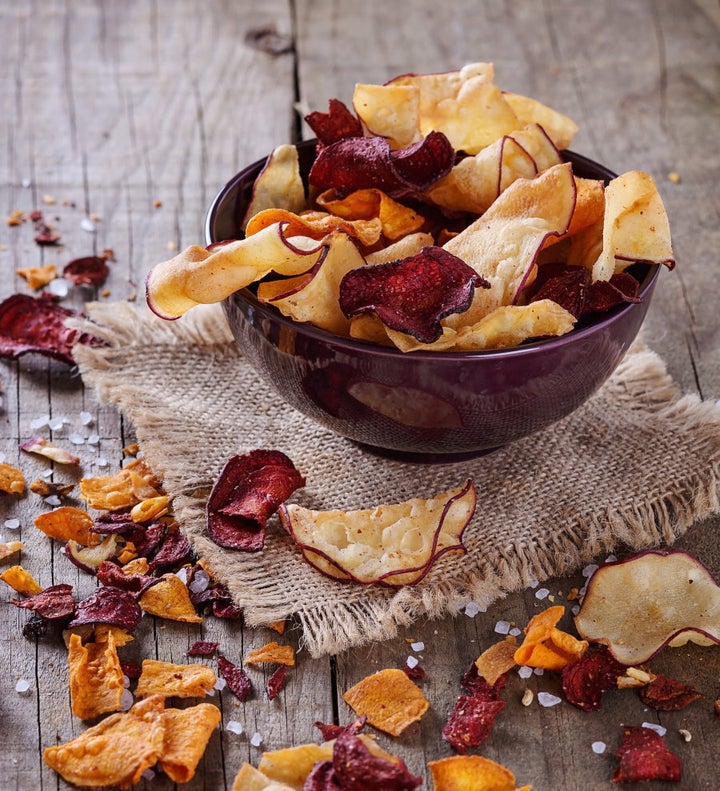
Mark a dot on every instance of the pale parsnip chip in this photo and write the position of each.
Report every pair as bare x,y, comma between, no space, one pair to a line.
187,732
559,127
390,111
390,544
389,699
503,244
408,246
639,605
96,677
177,681
9,548
636,226
278,185
314,297
251,779
116,751
196,275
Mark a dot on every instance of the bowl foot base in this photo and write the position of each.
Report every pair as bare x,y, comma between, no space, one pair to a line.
411,457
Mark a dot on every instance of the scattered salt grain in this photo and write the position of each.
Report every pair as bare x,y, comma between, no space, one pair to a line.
598,747
22,687
472,609
234,727
39,422
87,225
200,582
126,682
412,662
148,774
26,183
611,558
589,570
59,287
101,461
546,699
181,574
575,609
541,593
12,524
53,500
86,418
57,423
502,627
93,439
220,684
417,647
77,439
538,671
47,473
524,671
533,583
126,700
515,631
2,457
655,727
256,739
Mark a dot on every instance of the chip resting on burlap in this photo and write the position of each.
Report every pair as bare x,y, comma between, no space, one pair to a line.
635,466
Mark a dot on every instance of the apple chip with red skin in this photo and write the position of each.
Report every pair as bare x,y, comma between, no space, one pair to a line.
639,605
413,294
355,163
247,492
392,545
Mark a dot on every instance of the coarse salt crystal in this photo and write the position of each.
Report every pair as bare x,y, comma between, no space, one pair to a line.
234,727
77,439
598,747
2,457
22,686
502,627
256,739
589,570
87,225
181,574
86,418
538,671
57,423
220,684
126,682
47,473
546,699
101,461
148,774
12,524
417,647
575,609
611,558
515,631
542,593
59,287
533,583
200,582
412,662
655,727
472,609
26,183
524,671
93,439
126,700
39,422
53,500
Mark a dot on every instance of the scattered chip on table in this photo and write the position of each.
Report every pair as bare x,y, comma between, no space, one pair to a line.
546,646
96,677
186,735
174,681
273,652
12,480
471,773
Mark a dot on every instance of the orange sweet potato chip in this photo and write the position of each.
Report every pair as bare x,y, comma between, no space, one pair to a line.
546,646
170,599
67,523
116,751
316,225
104,631
176,681
21,581
389,699
272,652
9,548
251,779
497,659
471,773
126,488
96,678
12,480
38,276
187,732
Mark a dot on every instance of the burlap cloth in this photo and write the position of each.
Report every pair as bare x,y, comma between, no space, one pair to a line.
635,466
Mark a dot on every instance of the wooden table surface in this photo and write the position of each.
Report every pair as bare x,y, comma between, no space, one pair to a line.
132,114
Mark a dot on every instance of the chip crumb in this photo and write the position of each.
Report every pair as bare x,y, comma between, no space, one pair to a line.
573,594
528,697
87,225
686,735
157,204
172,246
16,217
598,747
547,699
105,292
674,177
49,200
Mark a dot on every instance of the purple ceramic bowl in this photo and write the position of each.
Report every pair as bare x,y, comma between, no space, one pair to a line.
422,406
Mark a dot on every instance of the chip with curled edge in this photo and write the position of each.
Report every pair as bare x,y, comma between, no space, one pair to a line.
390,544
185,737
546,646
96,677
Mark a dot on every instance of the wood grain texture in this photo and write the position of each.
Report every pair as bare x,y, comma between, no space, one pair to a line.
110,108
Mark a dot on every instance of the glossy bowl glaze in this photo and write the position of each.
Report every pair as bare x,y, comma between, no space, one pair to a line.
422,406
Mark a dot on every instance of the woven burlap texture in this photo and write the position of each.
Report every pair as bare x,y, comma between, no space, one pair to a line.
634,466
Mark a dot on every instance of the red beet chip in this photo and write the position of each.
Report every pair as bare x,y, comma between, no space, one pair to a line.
336,124
643,755
202,648
362,162
131,669
605,294
668,694
357,769
330,731
249,489
412,295
173,550
92,270
53,603
111,606
476,686
148,540
470,721
225,608
414,672
322,777
585,681
109,573
37,324
237,679
275,682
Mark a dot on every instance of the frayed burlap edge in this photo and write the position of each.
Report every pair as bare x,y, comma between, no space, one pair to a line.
641,382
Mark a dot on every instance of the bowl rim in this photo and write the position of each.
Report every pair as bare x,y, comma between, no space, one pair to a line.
316,333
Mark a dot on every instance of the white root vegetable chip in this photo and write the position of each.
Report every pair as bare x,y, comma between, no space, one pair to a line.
393,545
639,605
279,184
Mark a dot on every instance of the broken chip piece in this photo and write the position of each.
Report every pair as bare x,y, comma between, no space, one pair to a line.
68,523
668,694
272,653
12,480
237,679
173,680
109,606
247,492
389,699
91,270
638,605
644,755
390,544
497,659
43,447
170,599
124,489
471,773
546,646
9,548
584,682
